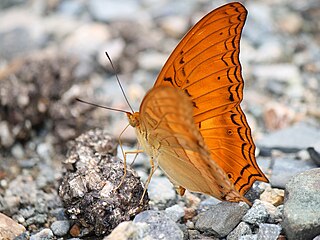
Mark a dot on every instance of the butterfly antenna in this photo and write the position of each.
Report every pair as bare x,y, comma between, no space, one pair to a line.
122,90
100,106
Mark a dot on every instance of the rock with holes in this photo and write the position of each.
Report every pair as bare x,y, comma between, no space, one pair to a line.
89,187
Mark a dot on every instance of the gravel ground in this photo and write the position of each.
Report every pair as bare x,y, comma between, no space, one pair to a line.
52,52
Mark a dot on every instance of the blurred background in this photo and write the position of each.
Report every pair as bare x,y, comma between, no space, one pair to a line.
53,51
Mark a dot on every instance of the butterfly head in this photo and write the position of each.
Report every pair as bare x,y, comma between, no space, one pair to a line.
133,119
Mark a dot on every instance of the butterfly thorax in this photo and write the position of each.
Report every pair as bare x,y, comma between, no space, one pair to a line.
134,120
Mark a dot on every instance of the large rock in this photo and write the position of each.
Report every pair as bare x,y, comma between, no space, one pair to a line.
302,206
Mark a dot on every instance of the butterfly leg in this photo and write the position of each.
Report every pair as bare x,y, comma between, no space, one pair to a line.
124,154
153,169
125,165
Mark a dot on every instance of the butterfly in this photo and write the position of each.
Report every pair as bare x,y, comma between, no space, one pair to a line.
190,123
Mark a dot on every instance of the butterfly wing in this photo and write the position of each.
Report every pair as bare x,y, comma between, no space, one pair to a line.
168,133
205,65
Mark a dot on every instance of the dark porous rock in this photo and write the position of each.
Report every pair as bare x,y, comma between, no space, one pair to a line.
241,230
160,226
89,187
301,213
29,88
258,213
268,231
221,219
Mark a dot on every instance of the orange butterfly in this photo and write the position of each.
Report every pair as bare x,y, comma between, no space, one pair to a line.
190,123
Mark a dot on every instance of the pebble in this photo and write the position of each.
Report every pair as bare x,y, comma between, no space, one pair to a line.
6,138
159,225
60,228
222,218
77,42
285,168
258,213
241,230
297,137
161,190
9,229
151,60
274,196
114,10
268,231
175,212
301,215
128,230
44,234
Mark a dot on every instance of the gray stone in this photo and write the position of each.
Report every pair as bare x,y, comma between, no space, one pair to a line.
44,234
222,218
37,219
268,231
114,10
285,168
258,213
301,213
196,235
175,212
249,237
60,228
207,204
241,230
297,137
159,225
161,190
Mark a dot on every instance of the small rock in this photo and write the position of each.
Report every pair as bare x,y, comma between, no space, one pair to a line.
285,168
114,10
274,196
207,204
37,219
294,138
151,60
9,229
196,235
6,137
268,231
175,212
241,230
77,43
159,225
128,230
45,234
222,218
174,26
161,190
256,214
60,228
301,214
